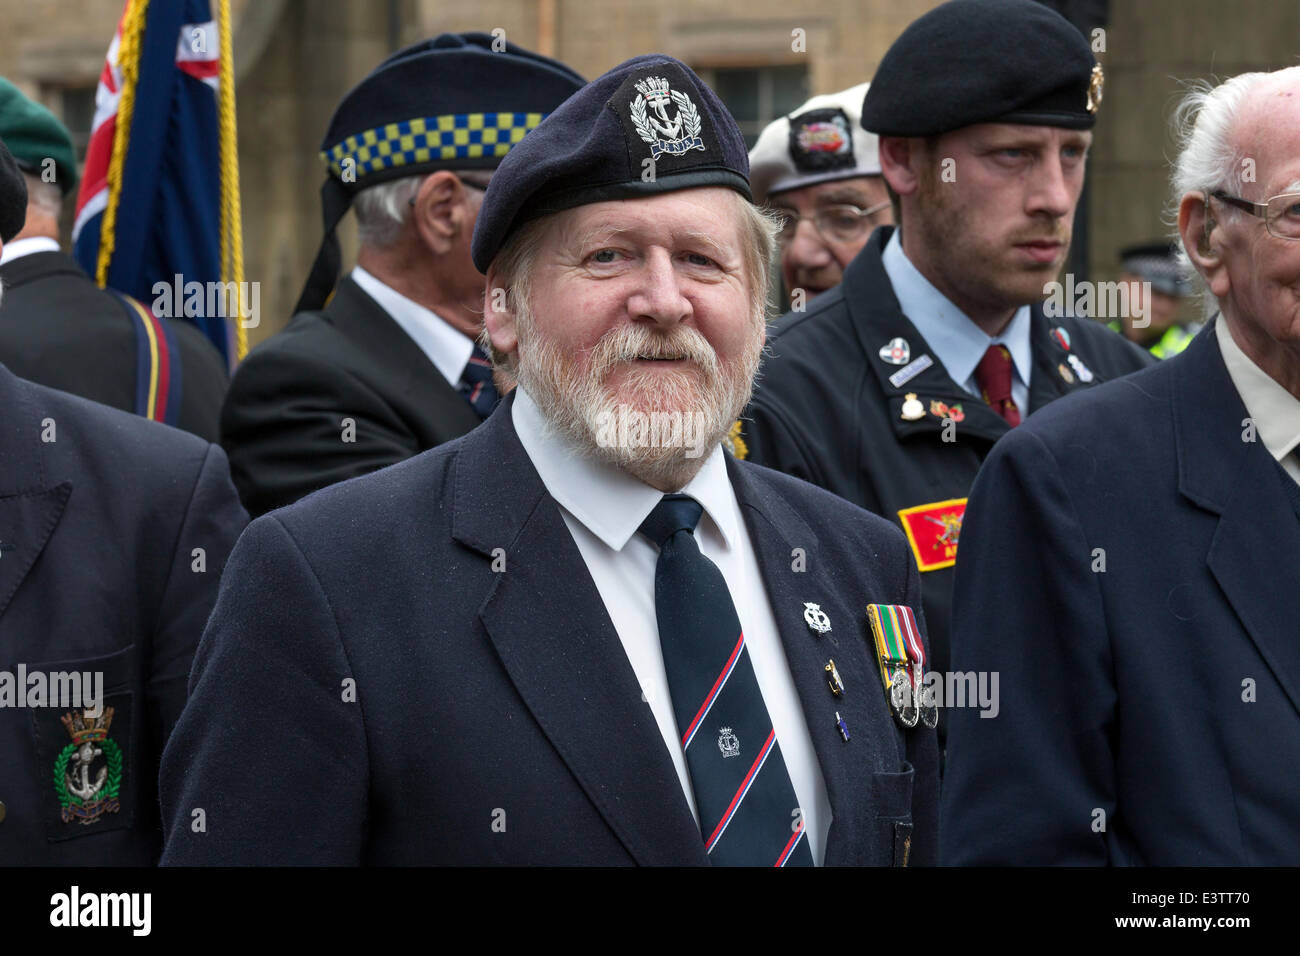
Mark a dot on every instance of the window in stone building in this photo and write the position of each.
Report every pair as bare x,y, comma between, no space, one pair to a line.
76,107
757,95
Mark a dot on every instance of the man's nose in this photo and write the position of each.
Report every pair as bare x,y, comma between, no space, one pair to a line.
1050,191
807,250
658,293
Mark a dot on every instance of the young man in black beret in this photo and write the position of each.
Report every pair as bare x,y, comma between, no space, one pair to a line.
59,329
891,389
581,634
113,534
387,367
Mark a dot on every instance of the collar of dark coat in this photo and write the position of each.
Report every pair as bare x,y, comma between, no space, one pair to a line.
1224,467
39,265
31,501
877,319
366,324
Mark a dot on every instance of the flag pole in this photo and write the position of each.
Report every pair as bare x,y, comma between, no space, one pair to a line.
232,237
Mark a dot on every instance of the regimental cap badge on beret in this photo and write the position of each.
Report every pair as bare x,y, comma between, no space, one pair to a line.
1096,82
648,126
821,140
677,133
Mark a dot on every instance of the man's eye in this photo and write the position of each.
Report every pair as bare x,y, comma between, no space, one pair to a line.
696,259
1011,152
605,256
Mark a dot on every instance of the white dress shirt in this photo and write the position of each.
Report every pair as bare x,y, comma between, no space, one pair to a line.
957,342
602,508
17,248
448,348
1274,410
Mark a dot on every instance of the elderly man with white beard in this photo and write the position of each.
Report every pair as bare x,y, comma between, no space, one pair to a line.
557,642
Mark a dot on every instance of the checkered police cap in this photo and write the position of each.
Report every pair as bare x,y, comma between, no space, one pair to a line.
459,101
648,126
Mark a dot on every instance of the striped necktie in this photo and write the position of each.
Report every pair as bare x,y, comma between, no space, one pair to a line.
476,385
747,805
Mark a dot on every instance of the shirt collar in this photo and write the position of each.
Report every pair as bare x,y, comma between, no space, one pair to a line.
957,342
18,248
448,349
1274,410
609,502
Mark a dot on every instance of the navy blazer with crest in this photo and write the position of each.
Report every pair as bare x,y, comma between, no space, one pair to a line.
1129,565
415,667
113,533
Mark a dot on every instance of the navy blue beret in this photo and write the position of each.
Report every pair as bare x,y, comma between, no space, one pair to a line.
648,126
984,61
13,196
459,101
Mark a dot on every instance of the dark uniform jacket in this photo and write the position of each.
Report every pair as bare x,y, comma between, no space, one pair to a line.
1129,565
826,411
59,329
101,515
339,393
416,667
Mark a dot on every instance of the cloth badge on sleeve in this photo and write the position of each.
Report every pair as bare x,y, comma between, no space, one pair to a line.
933,530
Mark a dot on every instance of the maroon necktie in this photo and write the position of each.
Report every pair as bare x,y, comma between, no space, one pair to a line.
993,376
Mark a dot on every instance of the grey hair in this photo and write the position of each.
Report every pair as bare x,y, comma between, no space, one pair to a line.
517,258
46,197
1209,159
382,210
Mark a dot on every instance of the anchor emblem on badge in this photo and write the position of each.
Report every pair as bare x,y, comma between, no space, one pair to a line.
816,618
728,743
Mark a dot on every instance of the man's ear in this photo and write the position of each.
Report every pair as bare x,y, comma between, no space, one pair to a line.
498,314
1200,232
900,163
440,211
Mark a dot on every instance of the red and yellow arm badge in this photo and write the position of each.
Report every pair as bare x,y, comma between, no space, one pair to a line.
933,530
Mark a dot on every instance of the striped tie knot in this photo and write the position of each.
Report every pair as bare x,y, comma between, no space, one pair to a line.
674,513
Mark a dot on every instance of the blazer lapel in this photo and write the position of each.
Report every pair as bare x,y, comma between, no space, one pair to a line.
416,378
555,639
1255,551
31,503
847,766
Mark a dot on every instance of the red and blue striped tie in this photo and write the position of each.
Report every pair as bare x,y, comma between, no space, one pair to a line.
749,814
476,383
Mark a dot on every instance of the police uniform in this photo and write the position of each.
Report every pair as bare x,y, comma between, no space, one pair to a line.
852,397
345,389
114,531
59,329
495,715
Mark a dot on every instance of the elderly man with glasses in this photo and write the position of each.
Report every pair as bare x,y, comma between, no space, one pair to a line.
890,389
819,172
1150,530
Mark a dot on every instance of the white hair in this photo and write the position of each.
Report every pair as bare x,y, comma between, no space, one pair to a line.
1209,157
382,210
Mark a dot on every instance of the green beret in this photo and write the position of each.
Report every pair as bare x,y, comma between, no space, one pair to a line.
34,134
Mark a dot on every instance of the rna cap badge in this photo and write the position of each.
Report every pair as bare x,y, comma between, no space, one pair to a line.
665,134
81,798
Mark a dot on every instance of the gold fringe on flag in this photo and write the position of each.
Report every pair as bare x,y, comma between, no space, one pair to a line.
232,236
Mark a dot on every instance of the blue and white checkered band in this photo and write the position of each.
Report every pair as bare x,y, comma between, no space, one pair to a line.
429,139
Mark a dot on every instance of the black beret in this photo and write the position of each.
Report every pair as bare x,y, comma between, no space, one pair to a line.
984,61
1158,263
459,101
648,126
13,196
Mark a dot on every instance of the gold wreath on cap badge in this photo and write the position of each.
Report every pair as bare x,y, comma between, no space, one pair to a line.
1095,84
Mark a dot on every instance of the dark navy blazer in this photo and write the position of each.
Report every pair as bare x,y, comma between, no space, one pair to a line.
496,718
1150,711
101,515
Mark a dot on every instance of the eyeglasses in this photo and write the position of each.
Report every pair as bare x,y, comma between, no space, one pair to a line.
1281,214
839,223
